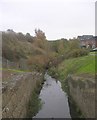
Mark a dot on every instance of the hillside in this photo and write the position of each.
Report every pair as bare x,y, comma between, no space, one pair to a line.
27,52
18,45
24,50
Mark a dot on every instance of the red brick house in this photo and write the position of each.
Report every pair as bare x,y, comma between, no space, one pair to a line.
88,41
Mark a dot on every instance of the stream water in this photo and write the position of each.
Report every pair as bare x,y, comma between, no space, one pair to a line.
54,99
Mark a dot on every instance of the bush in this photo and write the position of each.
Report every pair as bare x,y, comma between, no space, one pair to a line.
77,53
53,72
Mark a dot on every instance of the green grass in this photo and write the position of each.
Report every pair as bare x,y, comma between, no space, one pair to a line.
77,66
95,52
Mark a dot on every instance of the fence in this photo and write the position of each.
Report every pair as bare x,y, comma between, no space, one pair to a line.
21,64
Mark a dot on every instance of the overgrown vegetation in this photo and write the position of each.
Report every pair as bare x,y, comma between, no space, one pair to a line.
37,51
35,103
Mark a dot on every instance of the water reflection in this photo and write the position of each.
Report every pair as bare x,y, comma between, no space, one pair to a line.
55,101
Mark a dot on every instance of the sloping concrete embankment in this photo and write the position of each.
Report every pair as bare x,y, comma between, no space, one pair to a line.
16,94
82,90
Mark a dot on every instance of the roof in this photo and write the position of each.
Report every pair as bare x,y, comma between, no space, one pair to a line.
86,37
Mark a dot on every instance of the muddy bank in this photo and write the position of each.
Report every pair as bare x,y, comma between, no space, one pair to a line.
17,92
82,91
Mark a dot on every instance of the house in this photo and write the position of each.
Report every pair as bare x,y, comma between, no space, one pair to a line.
88,41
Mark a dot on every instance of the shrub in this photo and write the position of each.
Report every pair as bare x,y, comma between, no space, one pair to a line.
77,53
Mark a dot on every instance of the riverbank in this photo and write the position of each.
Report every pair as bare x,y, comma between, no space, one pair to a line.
17,91
35,104
77,76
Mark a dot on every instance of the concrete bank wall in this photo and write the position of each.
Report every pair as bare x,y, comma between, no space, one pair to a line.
82,91
16,94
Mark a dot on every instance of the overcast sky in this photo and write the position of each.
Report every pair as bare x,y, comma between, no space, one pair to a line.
57,18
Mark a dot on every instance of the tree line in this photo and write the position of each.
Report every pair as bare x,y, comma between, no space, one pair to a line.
37,50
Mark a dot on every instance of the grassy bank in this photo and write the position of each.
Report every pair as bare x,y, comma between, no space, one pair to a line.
84,67
35,103
81,66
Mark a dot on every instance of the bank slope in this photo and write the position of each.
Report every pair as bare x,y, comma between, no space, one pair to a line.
81,66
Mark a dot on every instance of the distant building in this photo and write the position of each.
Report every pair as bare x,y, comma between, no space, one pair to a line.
88,41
